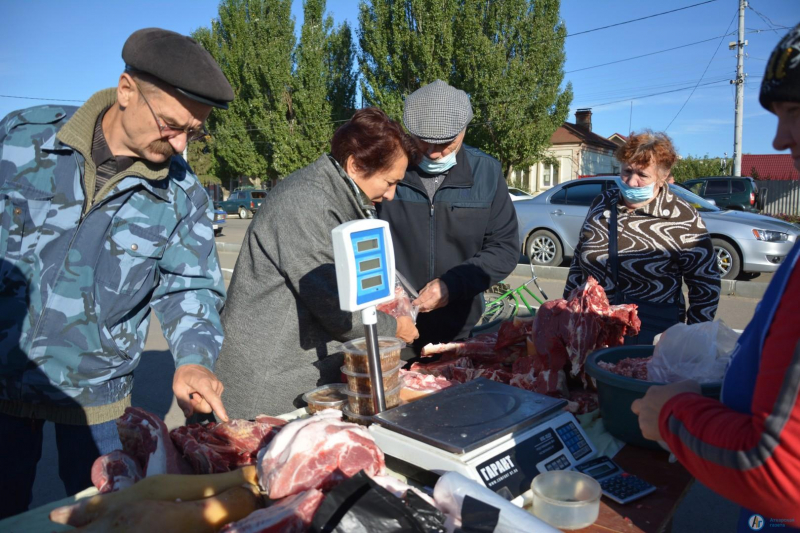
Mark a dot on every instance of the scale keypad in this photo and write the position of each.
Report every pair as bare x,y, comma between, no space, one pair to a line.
625,487
559,463
573,440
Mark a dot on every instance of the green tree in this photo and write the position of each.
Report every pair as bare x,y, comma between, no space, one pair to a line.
310,114
201,158
341,77
507,55
253,41
691,167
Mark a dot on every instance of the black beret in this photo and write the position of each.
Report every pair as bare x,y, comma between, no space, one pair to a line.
179,61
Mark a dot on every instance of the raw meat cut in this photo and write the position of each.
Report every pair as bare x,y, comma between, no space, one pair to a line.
144,437
478,345
400,306
443,368
424,382
115,471
549,382
573,328
630,367
317,452
523,365
213,448
292,514
582,402
513,332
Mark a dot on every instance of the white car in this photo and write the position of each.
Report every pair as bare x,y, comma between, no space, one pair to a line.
519,194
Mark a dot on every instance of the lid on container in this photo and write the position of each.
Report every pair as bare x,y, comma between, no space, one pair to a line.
350,414
393,391
385,344
332,394
385,373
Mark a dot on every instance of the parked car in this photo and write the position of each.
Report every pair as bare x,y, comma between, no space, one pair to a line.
219,220
519,194
550,225
243,202
730,192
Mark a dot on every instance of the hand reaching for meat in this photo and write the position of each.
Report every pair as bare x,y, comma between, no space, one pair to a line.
406,330
197,389
432,296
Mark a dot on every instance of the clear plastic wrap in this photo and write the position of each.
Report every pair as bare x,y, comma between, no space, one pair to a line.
699,351
401,305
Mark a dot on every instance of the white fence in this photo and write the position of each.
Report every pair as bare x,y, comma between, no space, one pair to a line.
783,197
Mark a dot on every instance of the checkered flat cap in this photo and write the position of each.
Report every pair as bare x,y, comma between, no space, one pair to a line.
437,112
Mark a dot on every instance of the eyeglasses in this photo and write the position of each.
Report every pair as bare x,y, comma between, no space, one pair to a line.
167,130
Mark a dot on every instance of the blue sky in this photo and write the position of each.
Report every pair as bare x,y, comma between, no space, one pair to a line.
69,50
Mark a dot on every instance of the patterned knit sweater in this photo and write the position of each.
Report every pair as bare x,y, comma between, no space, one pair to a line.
659,245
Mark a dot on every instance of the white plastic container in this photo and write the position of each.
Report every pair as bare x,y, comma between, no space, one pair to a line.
566,499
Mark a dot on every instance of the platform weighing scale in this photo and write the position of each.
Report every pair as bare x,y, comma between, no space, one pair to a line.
498,435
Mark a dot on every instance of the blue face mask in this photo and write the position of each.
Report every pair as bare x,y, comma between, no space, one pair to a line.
635,195
438,166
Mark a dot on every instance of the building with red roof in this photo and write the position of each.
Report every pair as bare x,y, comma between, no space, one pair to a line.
777,167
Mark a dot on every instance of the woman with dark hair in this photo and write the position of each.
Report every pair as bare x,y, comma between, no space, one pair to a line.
282,321
641,241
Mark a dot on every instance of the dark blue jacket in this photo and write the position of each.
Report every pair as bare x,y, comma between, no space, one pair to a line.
466,235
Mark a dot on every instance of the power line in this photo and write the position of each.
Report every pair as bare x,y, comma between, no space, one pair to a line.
641,18
772,26
33,98
704,72
645,55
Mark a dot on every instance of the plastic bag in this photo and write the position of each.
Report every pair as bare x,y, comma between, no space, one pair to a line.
401,305
360,505
455,494
700,352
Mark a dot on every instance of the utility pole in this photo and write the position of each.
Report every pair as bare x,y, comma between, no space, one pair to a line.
739,81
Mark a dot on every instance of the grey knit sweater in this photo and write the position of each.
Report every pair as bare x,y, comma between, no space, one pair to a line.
283,326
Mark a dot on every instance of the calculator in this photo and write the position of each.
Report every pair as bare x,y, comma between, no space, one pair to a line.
615,482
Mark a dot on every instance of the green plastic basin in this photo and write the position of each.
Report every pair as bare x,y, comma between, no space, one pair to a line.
616,393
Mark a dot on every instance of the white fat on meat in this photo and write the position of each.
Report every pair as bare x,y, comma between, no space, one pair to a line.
317,452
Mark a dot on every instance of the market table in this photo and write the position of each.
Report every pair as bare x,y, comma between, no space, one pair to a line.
654,512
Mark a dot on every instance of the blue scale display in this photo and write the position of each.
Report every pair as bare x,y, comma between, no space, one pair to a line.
371,272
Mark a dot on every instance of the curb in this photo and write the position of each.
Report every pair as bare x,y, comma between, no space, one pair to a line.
741,289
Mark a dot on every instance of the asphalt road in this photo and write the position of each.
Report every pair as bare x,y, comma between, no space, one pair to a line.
701,510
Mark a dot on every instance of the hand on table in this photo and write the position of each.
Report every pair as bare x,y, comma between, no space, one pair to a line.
406,330
432,296
198,390
649,408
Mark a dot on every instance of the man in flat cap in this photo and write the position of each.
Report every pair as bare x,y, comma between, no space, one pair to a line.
100,222
453,225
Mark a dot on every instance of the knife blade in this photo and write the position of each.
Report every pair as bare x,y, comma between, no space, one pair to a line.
406,285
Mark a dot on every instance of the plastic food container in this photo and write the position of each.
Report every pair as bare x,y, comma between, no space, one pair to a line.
350,416
355,354
361,404
616,393
326,397
358,382
566,499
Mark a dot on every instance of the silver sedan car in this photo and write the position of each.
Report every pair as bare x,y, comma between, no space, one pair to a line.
550,224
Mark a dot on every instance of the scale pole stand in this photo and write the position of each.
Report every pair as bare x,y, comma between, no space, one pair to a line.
369,316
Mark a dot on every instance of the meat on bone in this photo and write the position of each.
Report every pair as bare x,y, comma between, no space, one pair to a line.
115,471
317,452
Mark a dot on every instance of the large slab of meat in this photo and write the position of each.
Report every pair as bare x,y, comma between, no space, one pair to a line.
569,330
292,514
213,448
317,452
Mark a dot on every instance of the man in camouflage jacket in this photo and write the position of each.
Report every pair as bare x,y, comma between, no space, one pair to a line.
82,264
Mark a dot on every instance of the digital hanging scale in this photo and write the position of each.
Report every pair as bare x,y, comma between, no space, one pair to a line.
498,435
